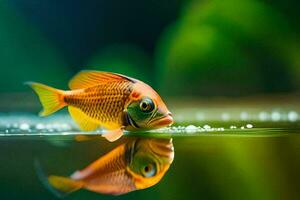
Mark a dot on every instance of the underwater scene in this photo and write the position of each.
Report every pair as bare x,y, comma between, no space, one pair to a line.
169,99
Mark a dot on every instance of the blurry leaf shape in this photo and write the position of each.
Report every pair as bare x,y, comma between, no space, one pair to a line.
125,59
252,20
225,47
26,55
205,59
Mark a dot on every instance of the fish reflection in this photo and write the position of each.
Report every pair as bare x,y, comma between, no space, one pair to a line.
136,164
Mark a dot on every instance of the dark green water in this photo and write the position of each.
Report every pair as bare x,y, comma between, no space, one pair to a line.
226,159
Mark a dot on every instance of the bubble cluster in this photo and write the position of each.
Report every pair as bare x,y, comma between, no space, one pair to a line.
276,116
271,115
12,124
192,129
28,124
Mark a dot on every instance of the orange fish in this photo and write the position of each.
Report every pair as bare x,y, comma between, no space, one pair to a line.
134,165
108,100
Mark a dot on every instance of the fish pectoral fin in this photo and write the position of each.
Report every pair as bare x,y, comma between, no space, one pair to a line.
64,185
84,122
90,78
113,135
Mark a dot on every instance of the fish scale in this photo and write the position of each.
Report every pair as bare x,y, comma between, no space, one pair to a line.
103,103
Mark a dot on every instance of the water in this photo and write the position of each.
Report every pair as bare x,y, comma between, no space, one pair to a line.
220,154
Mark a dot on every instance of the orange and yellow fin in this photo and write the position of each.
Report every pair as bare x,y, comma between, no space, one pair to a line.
82,138
89,78
113,135
84,122
64,185
58,185
50,98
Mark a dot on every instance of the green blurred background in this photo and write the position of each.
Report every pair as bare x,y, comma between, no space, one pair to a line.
181,47
192,49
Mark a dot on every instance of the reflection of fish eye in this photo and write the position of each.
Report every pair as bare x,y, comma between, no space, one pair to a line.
146,105
149,170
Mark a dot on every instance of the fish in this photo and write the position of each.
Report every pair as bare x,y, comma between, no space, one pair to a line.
108,100
135,164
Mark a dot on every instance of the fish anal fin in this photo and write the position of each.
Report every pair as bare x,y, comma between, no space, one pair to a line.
64,185
113,135
90,78
84,122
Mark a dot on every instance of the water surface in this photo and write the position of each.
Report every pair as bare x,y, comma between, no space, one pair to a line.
225,156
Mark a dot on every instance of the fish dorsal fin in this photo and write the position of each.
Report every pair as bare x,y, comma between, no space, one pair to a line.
89,78
84,122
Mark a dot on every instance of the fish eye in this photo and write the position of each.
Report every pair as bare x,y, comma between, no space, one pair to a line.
149,170
147,105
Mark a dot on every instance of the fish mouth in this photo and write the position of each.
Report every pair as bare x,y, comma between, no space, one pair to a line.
163,148
163,121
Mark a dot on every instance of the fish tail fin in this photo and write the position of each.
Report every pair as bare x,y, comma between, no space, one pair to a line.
64,185
60,186
51,99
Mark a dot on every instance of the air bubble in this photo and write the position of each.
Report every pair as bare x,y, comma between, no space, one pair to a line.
206,127
249,126
40,126
191,129
263,116
199,116
24,126
293,116
244,116
275,116
65,126
225,116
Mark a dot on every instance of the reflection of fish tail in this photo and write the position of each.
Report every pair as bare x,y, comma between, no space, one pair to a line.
58,185
52,99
